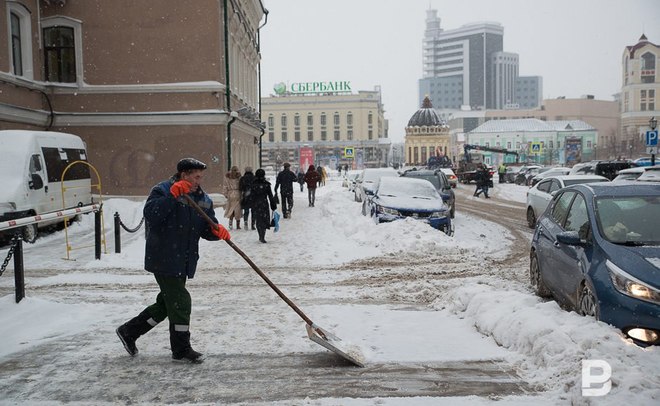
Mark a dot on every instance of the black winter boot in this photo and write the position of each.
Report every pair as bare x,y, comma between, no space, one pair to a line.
130,331
180,342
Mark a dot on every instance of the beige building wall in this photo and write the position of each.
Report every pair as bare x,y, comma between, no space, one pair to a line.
640,95
351,120
150,84
423,142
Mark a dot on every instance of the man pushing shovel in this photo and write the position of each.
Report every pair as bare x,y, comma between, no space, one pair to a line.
173,230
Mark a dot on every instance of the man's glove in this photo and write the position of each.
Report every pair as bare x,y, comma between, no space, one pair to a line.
181,187
221,232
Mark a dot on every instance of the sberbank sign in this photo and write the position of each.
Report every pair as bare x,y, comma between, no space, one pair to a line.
314,87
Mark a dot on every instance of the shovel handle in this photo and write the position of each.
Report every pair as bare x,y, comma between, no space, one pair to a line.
249,261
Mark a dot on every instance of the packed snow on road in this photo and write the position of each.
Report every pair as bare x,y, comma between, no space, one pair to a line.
438,319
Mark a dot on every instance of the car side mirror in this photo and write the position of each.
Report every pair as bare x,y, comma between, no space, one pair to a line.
571,238
554,192
35,182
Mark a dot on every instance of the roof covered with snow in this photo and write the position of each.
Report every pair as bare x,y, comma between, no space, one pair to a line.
532,125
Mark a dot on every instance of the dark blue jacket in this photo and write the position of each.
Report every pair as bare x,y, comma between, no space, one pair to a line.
173,231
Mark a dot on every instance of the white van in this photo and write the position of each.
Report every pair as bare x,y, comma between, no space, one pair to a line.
31,167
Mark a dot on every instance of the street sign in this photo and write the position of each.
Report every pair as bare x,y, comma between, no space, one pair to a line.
652,138
536,148
349,152
651,150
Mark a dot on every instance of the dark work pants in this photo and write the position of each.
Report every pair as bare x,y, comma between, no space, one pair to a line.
287,201
173,301
311,195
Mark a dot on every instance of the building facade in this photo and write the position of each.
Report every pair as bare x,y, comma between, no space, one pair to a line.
337,126
564,142
120,75
528,92
640,93
427,135
467,67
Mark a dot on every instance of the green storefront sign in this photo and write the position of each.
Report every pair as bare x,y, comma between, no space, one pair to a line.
343,86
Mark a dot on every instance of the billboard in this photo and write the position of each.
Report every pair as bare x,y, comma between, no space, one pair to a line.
573,148
306,158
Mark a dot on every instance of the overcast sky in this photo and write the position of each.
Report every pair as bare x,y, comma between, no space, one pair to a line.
575,45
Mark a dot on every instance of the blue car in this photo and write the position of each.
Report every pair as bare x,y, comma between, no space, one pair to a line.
596,249
397,198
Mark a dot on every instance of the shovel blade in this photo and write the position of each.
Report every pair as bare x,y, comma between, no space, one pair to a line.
334,344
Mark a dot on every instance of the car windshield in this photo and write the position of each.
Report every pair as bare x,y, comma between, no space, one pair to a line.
629,220
431,178
420,190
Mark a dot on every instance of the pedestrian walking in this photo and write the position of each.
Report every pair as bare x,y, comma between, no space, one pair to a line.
483,181
301,178
322,175
244,185
312,178
232,193
284,182
262,201
173,230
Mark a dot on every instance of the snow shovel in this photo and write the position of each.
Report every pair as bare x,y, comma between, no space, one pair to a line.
314,332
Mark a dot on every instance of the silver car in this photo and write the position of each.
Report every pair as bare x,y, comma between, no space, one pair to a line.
539,196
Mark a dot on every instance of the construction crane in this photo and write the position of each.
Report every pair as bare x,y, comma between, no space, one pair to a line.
467,169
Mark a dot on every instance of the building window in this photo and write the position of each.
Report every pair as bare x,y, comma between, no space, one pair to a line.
324,135
271,121
296,120
550,144
296,135
310,120
16,47
349,134
508,145
370,118
284,136
349,118
271,136
283,120
416,156
323,120
424,154
60,54
310,135
336,135
371,134
648,68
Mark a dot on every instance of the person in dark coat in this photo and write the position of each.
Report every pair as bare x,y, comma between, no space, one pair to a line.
262,200
173,230
301,178
483,181
244,185
285,181
312,179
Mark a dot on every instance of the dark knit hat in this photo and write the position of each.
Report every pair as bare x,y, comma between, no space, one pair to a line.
260,173
287,165
187,164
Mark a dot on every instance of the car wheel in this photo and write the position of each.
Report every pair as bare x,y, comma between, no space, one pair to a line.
535,277
29,233
587,302
531,218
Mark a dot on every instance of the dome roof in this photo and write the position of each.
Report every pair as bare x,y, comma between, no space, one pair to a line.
426,116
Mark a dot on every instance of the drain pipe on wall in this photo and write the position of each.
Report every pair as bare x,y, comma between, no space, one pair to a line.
261,126
233,114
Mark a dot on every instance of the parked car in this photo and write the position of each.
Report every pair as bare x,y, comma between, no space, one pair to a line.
368,182
556,171
511,173
651,174
351,181
401,197
453,179
440,182
646,161
597,251
608,169
524,172
629,174
539,196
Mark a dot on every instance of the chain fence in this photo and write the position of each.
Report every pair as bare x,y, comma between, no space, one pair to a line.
12,246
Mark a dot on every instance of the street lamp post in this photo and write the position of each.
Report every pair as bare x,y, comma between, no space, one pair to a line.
653,123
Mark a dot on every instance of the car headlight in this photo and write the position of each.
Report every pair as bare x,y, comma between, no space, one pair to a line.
387,210
631,286
439,214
